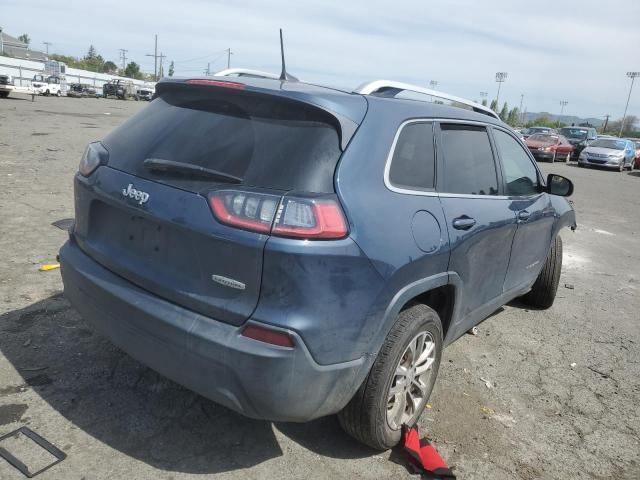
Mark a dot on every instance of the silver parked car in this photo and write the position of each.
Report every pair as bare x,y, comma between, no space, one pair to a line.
615,153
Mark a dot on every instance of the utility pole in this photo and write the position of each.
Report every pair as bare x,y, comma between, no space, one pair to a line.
606,123
229,58
123,57
160,72
155,59
500,77
47,46
207,72
563,103
1,42
632,76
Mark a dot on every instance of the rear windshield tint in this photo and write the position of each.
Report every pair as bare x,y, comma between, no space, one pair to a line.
267,141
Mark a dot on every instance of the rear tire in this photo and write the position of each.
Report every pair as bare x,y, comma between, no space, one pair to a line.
543,292
372,410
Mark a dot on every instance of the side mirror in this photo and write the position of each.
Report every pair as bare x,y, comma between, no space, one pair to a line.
559,185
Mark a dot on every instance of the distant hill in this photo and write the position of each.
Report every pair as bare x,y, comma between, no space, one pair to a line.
568,119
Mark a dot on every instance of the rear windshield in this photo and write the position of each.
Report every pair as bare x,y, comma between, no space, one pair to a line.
266,141
577,133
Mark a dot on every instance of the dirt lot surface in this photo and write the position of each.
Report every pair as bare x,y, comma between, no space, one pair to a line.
564,383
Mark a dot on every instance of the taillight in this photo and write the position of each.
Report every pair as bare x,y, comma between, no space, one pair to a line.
94,155
267,335
245,210
311,217
217,83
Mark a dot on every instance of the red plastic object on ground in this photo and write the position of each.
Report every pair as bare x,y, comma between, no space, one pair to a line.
425,458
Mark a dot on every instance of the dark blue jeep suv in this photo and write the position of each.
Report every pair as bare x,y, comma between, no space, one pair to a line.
293,251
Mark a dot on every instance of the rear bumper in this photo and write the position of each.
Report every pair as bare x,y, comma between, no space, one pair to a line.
540,155
600,163
207,356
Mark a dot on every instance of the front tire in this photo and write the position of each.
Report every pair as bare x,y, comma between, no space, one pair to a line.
543,292
400,381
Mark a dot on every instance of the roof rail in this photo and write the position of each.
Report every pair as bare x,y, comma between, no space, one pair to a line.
246,72
390,89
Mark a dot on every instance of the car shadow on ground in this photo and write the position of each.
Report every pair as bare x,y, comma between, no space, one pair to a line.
122,403
634,173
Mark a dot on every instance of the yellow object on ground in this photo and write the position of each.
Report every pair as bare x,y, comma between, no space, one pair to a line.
49,266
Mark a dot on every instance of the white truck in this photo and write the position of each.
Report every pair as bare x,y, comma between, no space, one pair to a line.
52,81
46,85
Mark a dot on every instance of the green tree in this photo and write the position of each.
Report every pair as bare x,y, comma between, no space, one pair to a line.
484,102
24,38
109,67
133,71
91,54
171,69
494,105
504,113
514,117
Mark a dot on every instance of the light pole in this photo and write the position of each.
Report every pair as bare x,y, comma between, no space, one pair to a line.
1,43
563,103
500,77
632,76
47,46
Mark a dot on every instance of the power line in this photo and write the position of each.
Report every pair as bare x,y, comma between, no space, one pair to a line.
221,52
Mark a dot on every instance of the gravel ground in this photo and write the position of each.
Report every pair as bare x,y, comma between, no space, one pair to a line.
560,397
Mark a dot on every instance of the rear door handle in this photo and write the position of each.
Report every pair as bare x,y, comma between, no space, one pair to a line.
523,216
463,223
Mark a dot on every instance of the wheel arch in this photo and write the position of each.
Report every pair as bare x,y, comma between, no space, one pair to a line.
439,292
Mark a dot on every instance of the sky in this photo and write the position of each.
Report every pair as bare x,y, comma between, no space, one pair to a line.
577,51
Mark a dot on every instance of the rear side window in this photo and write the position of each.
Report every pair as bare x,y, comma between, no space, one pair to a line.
468,163
265,140
521,177
413,163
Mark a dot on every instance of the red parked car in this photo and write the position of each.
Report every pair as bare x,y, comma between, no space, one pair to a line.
636,162
551,147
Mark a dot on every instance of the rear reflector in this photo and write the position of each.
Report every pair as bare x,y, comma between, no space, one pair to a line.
266,335
309,217
217,83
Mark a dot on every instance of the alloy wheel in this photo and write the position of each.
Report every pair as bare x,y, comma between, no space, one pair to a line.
410,386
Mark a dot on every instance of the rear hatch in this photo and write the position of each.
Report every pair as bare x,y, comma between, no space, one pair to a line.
152,224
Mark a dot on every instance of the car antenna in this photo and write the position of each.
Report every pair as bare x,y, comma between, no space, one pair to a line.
284,75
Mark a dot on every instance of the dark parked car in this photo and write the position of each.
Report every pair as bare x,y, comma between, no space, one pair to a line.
579,137
121,89
293,251
550,147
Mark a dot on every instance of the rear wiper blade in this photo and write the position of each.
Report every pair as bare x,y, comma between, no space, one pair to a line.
162,165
